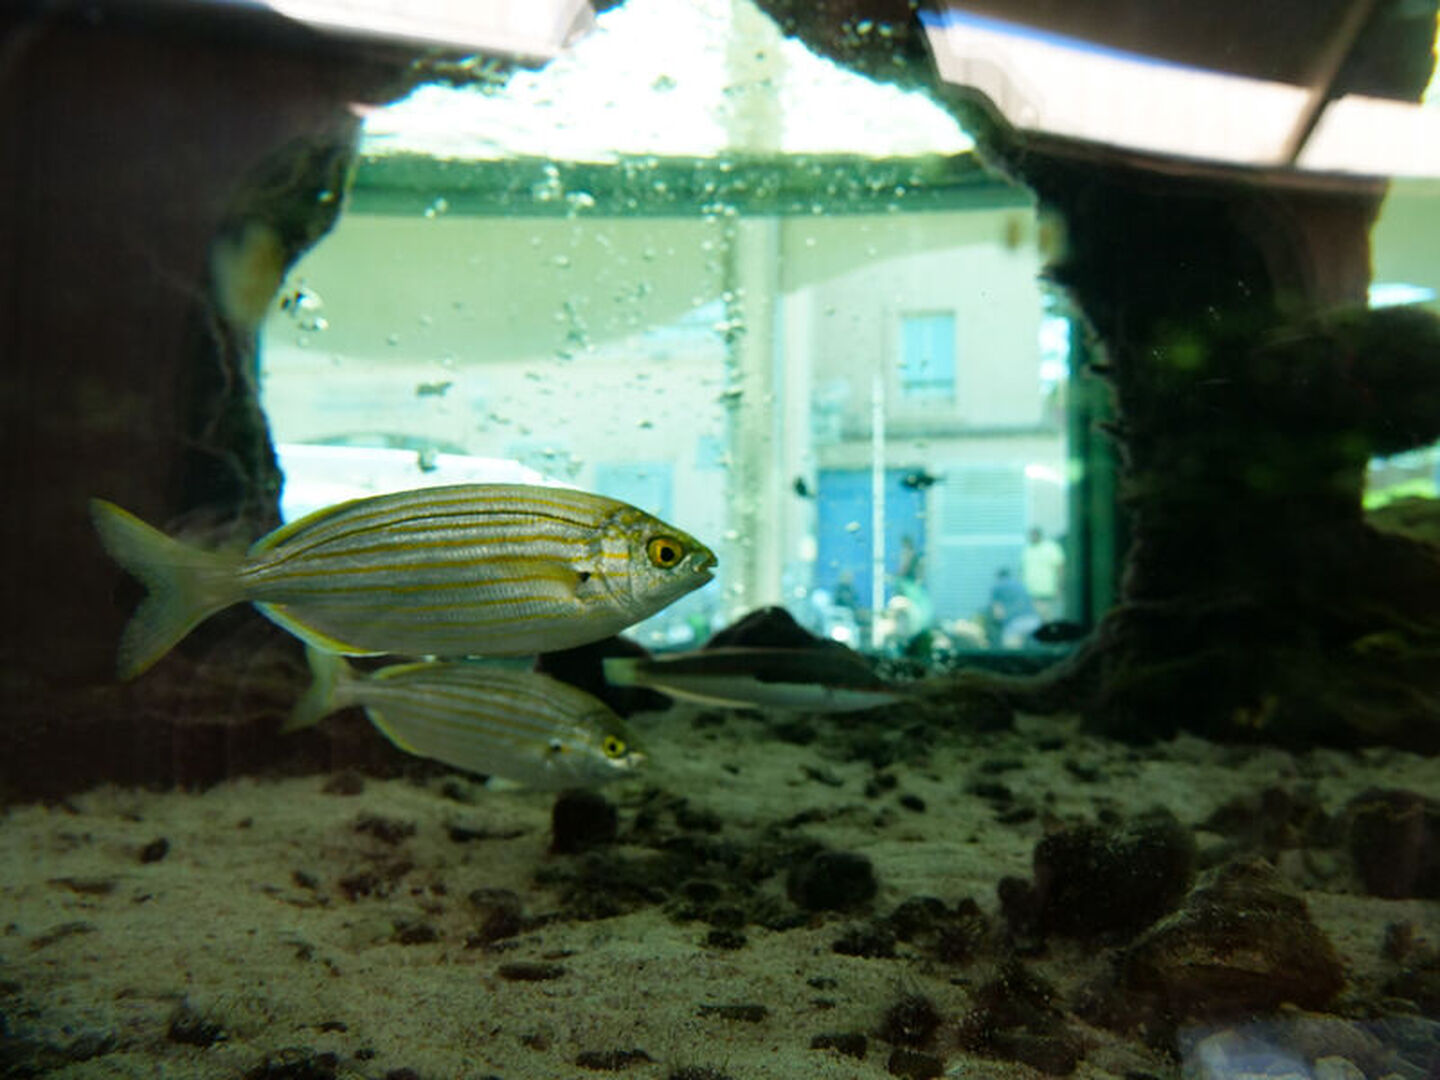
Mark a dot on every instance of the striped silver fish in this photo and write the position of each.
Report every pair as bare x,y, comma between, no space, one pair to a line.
472,569
518,725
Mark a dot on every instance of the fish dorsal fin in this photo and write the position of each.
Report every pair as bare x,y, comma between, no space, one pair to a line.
271,540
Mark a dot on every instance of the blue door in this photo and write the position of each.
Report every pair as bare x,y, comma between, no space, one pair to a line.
843,545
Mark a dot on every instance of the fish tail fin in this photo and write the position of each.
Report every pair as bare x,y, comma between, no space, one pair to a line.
184,585
623,671
327,673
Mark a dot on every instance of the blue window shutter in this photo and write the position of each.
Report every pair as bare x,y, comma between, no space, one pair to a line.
927,355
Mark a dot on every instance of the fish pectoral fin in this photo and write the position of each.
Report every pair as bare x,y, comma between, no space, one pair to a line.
588,582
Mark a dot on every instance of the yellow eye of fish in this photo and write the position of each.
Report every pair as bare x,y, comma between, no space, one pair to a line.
664,551
613,747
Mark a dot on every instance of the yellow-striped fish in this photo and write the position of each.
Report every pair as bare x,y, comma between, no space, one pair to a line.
502,722
472,569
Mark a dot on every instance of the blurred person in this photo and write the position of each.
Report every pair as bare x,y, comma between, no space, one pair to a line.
1042,572
1011,614
909,585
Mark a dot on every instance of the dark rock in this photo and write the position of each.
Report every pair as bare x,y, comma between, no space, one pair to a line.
798,731
953,937
296,1063
61,932
746,1013
698,1072
992,791
880,783
695,819
464,834
962,935
1395,842
1054,1053
192,1029
911,1021
1020,908
1419,983
89,1045
582,820
913,802
850,1043
501,915
919,916
23,1055
529,971
415,933
155,850
610,1060
1015,1017
1272,820
1242,943
584,668
1400,942
377,882
768,627
402,1073
86,886
347,782
913,1064
832,881
386,830
726,917
873,942
354,886
1059,632
1092,881
996,766
701,891
1085,772
603,884
725,939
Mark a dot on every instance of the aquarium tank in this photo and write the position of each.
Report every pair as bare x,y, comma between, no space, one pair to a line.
720,539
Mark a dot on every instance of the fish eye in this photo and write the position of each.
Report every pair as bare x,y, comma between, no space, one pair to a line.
664,551
613,747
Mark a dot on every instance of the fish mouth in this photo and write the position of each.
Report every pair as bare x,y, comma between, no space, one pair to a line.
633,761
706,563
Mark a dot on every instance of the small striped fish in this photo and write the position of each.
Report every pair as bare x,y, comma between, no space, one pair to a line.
467,570
517,725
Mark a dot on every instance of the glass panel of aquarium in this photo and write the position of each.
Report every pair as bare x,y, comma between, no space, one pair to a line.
725,280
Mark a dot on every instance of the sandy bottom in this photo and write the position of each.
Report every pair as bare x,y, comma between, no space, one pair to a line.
301,922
